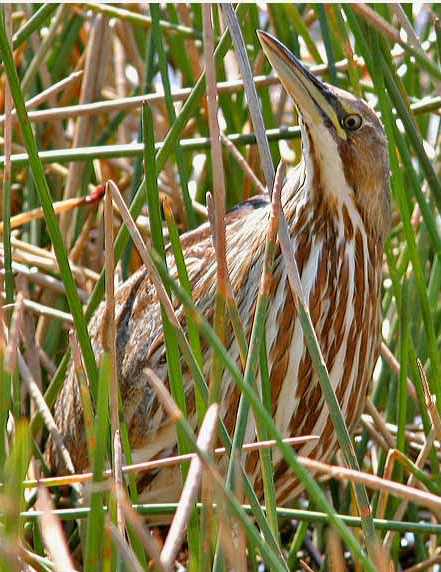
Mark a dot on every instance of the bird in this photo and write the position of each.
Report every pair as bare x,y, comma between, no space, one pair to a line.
336,202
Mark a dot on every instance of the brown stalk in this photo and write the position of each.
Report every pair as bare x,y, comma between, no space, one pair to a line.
167,402
367,424
43,280
145,255
12,555
184,13
13,335
30,349
427,499
395,456
379,422
41,405
15,147
71,92
118,478
90,87
109,326
82,239
46,362
149,542
127,39
238,536
123,548
189,492
167,193
421,459
273,229
216,151
59,207
50,92
40,48
429,401
135,102
109,345
414,435
176,415
241,161
231,537
84,395
61,170
36,256
166,462
219,239
416,218
334,551
121,87
42,310
57,137
387,474
305,566
392,362
52,533
230,301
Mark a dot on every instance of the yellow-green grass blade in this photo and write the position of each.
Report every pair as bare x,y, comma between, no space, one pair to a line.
159,46
46,203
95,523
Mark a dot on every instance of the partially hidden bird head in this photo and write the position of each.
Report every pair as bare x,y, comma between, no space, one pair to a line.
344,144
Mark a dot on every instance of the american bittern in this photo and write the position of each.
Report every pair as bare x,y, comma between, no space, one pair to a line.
337,206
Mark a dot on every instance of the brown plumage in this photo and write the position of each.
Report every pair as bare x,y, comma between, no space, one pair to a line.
336,203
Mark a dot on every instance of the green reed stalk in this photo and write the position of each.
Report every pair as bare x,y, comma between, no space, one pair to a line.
46,202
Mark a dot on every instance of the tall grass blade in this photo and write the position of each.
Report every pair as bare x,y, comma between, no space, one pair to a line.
46,202
95,522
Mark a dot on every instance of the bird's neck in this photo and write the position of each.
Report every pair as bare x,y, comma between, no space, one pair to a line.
335,174
332,193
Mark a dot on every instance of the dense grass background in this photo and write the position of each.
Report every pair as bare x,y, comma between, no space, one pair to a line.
84,71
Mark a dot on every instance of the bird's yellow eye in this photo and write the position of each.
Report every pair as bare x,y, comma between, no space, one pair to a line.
352,121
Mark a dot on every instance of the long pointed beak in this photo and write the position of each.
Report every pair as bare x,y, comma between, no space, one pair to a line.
313,99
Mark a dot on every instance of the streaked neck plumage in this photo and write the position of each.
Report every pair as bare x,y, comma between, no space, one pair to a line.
331,181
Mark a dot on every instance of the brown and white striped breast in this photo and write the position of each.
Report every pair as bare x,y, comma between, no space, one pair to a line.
340,269
340,273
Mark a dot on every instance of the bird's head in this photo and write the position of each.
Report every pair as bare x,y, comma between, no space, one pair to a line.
345,148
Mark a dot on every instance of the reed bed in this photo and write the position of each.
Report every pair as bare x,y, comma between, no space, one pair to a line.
124,126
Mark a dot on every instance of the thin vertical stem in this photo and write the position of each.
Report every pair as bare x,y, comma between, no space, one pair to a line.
9,279
252,98
154,209
257,334
159,46
109,329
6,379
219,201
109,345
